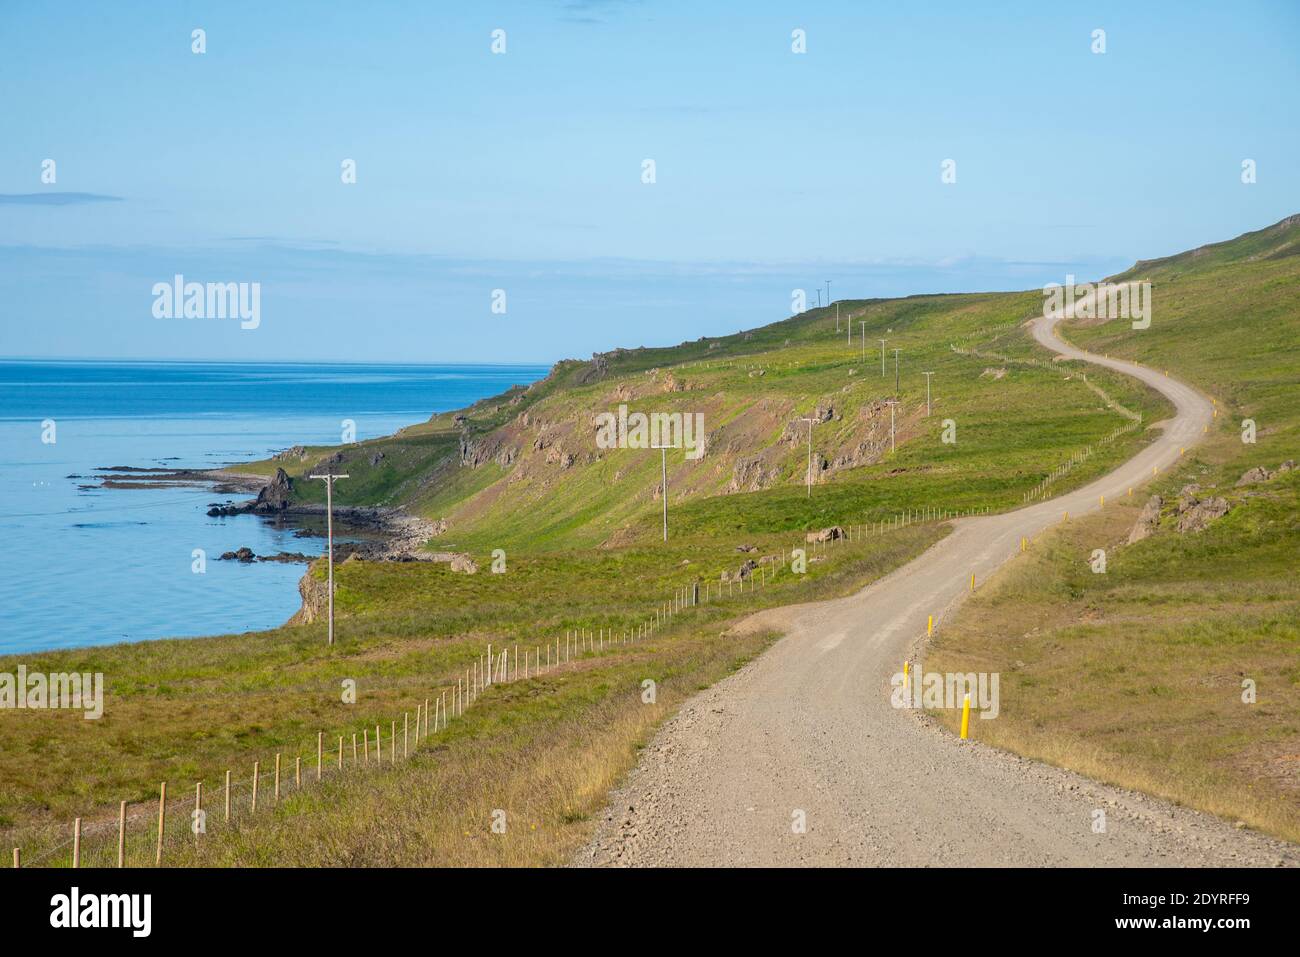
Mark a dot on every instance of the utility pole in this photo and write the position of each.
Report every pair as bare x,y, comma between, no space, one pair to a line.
837,317
330,478
819,297
891,403
863,335
811,422
828,292
927,392
882,358
664,455
896,351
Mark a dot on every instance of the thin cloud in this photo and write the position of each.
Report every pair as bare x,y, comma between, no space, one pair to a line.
55,199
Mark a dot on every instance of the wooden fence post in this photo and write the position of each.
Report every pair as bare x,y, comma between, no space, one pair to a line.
18,858
121,834
320,753
255,765
340,752
227,795
297,771
392,741
277,778
198,804
162,821
406,734
365,735
379,748
354,747
76,843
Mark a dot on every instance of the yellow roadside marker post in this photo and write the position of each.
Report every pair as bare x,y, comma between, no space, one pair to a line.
929,627
972,581
1102,500
906,675
965,717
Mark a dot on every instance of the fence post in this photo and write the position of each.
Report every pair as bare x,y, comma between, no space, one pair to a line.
277,778
297,771
392,740
365,734
76,843
255,769
320,753
340,752
162,821
198,804
18,858
121,834
406,734
227,795
354,747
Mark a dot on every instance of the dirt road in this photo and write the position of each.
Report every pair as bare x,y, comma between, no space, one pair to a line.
808,729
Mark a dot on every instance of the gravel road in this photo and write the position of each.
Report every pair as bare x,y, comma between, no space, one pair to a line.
808,728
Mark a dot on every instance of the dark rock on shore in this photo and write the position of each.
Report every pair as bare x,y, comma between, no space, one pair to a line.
246,555
276,494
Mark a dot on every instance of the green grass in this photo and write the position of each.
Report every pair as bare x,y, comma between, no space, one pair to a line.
583,550
1135,676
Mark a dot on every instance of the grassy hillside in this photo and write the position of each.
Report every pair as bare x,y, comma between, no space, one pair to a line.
524,470
1135,675
580,528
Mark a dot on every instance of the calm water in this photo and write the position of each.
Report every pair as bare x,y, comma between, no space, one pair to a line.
96,566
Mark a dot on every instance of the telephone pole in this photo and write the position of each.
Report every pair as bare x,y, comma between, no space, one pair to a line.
891,403
663,449
862,324
882,358
811,422
927,392
896,351
330,478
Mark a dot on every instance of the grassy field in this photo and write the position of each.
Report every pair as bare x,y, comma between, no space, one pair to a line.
580,528
185,711
1135,676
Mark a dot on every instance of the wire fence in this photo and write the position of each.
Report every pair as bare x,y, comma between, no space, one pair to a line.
151,832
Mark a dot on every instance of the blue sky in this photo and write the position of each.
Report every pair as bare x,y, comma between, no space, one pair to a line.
522,171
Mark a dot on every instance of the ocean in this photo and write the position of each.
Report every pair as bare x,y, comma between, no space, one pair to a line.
86,566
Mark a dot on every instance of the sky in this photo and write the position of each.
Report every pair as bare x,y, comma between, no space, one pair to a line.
523,170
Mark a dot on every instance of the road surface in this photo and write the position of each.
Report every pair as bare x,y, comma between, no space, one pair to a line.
808,727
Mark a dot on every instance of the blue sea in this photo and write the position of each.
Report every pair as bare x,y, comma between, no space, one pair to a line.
89,566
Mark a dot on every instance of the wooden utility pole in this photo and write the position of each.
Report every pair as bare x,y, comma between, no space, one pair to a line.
329,478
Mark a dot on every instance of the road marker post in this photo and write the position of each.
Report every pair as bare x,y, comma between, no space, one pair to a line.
929,626
907,677
972,581
965,717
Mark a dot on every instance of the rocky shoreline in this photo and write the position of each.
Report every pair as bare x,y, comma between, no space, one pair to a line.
389,534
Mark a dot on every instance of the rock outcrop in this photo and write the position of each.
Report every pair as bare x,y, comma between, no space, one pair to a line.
1195,512
1148,520
1262,474
276,495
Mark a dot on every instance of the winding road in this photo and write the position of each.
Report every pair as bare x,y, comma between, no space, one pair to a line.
808,727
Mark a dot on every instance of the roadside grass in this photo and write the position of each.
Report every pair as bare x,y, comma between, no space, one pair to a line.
1135,676
187,710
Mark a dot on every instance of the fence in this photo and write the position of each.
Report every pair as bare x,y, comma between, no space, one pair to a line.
147,833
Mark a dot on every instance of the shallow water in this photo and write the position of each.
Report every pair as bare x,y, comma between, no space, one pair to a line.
96,566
